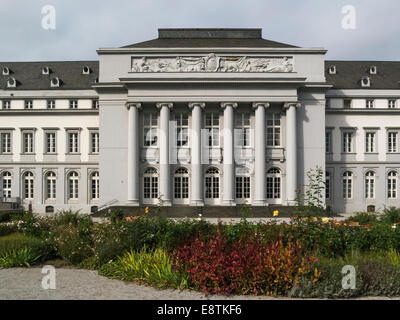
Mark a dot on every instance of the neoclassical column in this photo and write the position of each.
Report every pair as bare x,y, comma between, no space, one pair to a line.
291,152
259,150
228,198
196,197
165,171
133,153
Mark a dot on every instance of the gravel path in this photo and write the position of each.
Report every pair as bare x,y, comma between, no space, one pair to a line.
79,284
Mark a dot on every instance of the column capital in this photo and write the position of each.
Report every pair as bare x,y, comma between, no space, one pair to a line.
133,105
191,105
159,105
255,105
287,105
229,104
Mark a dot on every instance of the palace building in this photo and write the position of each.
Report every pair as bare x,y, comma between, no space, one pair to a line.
197,118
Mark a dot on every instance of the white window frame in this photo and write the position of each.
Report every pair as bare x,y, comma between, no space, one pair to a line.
348,141
392,184
94,142
50,185
150,130
328,185
73,144
73,104
212,125
6,140
94,186
347,185
369,185
51,104
181,185
328,141
242,186
28,185
392,142
212,185
50,144
370,141
28,144
274,185
28,104
273,132
182,130
150,185
243,130
6,184
392,103
370,104
6,104
73,185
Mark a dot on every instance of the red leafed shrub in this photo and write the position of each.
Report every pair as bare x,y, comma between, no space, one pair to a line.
245,267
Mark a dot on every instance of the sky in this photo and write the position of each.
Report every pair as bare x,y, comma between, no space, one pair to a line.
81,27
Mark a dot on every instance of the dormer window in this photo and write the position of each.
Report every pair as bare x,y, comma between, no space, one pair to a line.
370,103
365,82
6,71
332,70
373,70
85,70
46,70
73,104
55,82
11,83
28,104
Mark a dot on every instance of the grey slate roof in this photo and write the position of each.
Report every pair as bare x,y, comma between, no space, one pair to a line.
209,38
349,73
29,75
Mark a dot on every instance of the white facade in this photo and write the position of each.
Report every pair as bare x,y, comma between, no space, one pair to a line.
197,124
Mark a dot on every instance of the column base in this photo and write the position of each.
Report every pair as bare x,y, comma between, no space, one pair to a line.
197,203
133,203
291,203
229,203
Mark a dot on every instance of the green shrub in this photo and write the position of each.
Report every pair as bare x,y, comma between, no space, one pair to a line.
151,266
18,241
364,218
390,215
7,228
5,216
23,257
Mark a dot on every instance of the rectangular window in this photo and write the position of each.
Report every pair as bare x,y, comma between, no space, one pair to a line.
27,142
327,186
94,144
369,187
6,104
273,121
50,142
347,188
51,104
150,130
243,130
392,185
182,130
28,104
370,104
392,142
5,138
95,104
370,142
328,141
212,127
347,142
73,104
73,142
392,104
347,103
242,187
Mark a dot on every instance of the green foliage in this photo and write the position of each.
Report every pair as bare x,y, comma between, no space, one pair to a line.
151,266
364,218
5,216
310,201
390,215
23,257
7,228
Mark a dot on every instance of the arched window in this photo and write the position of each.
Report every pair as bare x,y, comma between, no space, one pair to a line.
150,184
327,185
73,185
6,184
28,184
347,185
212,183
50,183
392,185
370,185
274,183
94,185
242,184
181,184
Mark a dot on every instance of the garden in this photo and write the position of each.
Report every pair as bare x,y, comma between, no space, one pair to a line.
302,258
